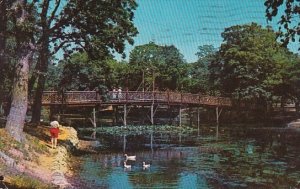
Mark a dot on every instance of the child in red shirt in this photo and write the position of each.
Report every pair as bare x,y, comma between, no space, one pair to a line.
54,130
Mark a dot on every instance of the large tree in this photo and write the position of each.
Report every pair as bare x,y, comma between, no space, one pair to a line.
22,17
163,64
252,63
288,13
98,27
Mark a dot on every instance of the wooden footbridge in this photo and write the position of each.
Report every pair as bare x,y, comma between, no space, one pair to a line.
85,98
127,99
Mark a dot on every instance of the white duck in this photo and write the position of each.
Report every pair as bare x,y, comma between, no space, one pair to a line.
146,165
126,166
133,158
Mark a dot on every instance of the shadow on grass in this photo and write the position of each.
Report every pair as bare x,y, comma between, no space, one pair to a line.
38,132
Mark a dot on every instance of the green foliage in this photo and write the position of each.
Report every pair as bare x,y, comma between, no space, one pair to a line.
98,27
251,63
294,78
289,29
199,71
22,181
79,72
116,74
137,130
164,64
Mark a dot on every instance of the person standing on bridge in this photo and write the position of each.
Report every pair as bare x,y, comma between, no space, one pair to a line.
114,93
54,130
119,93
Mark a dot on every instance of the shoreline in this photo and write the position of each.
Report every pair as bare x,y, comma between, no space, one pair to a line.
36,163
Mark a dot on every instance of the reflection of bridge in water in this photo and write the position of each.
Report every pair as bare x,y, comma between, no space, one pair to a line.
128,99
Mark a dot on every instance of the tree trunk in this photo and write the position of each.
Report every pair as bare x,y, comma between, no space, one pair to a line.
17,114
42,66
3,26
37,104
16,118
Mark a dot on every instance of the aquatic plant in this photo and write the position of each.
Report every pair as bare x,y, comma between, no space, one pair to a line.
138,130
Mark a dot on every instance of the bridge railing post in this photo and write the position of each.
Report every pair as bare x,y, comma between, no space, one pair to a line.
199,99
96,95
181,98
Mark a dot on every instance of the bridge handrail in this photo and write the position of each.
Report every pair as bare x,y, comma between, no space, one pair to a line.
170,97
70,96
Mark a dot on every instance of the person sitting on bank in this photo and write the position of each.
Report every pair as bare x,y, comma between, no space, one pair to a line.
54,130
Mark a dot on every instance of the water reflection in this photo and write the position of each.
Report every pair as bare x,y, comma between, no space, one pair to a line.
124,143
94,134
253,158
151,141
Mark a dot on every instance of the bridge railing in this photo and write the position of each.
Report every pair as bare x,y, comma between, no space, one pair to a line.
168,97
137,96
79,97
215,101
69,97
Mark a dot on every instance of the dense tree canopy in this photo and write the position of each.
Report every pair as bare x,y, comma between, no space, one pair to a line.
252,64
199,71
79,72
164,63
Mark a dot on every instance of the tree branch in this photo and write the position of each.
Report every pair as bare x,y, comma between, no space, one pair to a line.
54,12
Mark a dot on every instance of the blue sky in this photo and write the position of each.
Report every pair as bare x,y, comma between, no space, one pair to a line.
188,24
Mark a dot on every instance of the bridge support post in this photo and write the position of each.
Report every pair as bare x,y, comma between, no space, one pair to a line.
151,141
180,116
152,114
114,119
1,109
125,115
198,120
93,121
94,117
218,113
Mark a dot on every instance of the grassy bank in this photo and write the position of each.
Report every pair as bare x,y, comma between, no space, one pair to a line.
26,165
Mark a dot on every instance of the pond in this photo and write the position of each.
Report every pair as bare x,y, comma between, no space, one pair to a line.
228,157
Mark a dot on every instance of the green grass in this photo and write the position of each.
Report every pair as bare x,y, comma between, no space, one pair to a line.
23,181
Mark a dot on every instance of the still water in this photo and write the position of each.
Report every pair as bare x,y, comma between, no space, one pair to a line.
229,158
